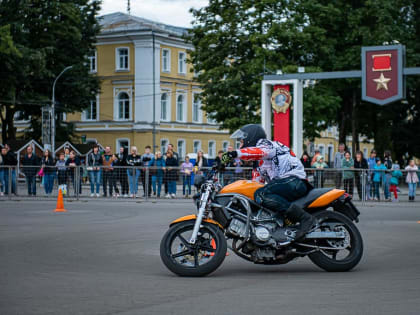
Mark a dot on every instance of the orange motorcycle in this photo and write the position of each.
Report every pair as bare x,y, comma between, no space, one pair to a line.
196,245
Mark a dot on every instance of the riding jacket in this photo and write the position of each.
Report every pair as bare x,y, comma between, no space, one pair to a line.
276,161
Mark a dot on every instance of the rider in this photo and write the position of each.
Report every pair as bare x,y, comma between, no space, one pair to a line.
278,166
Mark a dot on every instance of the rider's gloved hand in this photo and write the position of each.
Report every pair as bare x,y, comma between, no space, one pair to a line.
229,156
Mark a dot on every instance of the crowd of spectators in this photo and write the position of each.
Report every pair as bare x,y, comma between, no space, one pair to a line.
368,175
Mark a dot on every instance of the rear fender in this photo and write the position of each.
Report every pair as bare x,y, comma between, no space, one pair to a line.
346,207
193,217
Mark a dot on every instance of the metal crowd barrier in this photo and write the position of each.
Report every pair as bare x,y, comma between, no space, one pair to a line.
130,182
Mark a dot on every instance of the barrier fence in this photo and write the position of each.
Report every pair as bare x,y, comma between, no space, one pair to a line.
131,182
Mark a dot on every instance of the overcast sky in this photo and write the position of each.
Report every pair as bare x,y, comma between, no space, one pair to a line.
173,12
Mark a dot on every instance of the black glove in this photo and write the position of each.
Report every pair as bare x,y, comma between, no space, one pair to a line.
228,156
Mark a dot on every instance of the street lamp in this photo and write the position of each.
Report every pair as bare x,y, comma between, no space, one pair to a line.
53,110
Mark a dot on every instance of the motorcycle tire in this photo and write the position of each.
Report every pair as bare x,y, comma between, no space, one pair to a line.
356,241
216,258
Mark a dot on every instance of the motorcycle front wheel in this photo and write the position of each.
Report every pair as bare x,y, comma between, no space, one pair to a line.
193,260
346,253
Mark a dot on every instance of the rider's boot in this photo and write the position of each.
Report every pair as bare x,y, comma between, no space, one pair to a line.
297,215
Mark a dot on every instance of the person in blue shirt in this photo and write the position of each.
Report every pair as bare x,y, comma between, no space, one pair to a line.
369,184
378,177
395,177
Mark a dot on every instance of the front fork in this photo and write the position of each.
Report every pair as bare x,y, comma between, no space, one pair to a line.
200,215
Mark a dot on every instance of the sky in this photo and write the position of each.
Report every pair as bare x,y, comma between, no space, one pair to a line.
172,12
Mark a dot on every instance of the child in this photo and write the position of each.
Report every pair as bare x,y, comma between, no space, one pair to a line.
319,175
378,175
61,172
412,179
396,175
186,170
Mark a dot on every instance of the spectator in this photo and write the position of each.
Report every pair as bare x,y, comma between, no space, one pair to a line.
61,173
348,174
122,171
319,177
387,177
157,178
360,164
66,153
172,173
7,167
201,163
115,173
218,161
73,172
175,155
186,170
305,159
395,177
369,183
133,173
315,157
338,158
49,171
94,163
107,171
147,160
1,175
412,179
378,175
30,165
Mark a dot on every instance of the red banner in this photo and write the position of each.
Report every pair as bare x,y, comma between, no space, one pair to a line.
282,122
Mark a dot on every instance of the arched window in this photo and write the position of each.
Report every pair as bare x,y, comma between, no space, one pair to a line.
180,111
123,106
164,106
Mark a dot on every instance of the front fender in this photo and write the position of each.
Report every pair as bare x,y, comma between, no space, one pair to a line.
193,217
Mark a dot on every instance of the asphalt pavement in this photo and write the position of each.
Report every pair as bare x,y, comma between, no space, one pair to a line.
102,257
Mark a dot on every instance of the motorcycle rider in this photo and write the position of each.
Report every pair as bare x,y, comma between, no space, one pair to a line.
280,168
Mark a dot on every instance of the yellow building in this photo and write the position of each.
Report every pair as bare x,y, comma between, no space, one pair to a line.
133,99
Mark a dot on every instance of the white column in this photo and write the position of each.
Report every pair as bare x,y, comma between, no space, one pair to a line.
297,117
143,81
266,109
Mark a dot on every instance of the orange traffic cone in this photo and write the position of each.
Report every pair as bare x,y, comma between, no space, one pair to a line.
213,245
60,202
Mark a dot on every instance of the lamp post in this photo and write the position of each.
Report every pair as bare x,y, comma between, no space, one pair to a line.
53,110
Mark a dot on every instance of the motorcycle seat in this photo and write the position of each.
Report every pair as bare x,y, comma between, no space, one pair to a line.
311,197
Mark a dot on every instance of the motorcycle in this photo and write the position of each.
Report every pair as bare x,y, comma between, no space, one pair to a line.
196,245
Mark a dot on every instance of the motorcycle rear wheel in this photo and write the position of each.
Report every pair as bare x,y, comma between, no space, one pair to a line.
325,259
193,260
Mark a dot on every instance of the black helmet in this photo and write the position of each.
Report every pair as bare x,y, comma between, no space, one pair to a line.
250,134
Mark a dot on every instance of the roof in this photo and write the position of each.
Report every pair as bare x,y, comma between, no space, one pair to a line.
121,22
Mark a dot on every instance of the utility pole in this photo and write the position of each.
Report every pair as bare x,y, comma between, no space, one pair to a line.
53,110
154,95
128,7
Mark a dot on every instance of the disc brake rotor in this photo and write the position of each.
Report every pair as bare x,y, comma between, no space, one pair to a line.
343,243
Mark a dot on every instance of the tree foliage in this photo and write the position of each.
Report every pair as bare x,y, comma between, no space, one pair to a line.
45,37
236,42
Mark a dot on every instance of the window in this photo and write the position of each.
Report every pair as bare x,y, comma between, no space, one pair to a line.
212,149
166,60
164,107
225,145
321,149
19,116
91,113
92,61
182,63
211,120
181,148
123,106
196,146
122,59
330,153
163,145
123,143
237,144
196,110
365,152
180,108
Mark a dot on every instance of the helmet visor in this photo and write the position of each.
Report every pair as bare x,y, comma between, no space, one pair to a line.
239,134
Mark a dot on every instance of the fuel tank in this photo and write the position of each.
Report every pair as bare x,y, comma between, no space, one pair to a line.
243,187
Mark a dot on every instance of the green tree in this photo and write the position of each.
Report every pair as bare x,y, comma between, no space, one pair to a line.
49,35
236,43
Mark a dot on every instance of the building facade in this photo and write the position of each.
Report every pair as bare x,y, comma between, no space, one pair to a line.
147,91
